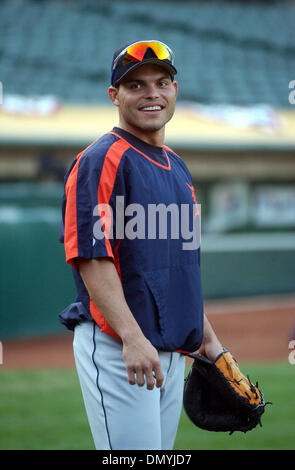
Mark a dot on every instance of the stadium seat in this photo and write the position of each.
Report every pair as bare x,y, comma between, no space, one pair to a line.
224,51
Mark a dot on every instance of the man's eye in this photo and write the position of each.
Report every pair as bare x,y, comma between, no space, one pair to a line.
135,85
163,84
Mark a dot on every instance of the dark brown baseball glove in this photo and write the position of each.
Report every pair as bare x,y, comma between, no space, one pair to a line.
218,397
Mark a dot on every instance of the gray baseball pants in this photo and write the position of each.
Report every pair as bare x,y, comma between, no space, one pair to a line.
123,416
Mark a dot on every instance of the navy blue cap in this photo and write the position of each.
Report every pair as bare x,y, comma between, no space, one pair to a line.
120,71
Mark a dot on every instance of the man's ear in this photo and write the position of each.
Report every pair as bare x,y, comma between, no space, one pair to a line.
175,84
113,94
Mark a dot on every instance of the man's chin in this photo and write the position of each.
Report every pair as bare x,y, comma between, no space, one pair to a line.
154,125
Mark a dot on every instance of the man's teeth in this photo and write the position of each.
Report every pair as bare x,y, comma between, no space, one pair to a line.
152,108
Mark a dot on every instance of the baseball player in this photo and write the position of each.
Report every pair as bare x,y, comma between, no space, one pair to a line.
139,304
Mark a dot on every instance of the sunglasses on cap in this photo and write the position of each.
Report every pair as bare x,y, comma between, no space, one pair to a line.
135,52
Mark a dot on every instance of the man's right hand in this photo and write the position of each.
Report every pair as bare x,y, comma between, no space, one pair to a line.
141,358
142,363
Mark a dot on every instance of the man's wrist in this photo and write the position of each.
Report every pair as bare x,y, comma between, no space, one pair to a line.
131,334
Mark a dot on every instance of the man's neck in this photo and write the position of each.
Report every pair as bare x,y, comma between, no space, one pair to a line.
155,138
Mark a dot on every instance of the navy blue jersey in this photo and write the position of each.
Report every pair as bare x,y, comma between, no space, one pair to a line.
128,200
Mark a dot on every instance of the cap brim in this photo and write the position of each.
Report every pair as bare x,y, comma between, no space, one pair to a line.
165,65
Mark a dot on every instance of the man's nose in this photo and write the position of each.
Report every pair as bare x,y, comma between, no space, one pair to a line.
152,91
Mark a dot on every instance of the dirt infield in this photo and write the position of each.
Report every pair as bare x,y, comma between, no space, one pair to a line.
255,330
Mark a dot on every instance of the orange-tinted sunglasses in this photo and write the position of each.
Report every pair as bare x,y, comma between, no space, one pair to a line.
136,51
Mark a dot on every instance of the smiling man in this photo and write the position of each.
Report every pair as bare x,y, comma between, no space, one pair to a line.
139,306
146,102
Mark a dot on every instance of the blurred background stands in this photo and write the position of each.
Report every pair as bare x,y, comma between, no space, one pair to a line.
232,53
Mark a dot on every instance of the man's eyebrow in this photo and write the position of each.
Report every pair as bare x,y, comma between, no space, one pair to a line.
138,80
164,77
133,80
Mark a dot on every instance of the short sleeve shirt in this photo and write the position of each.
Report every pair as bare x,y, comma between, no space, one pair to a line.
135,203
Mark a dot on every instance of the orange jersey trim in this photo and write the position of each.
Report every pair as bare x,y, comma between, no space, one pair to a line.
197,212
71,233
107,181
172,151
96,314
104,193
71,229
146,156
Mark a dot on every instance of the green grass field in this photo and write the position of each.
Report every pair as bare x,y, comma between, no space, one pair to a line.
44,410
